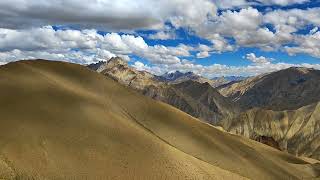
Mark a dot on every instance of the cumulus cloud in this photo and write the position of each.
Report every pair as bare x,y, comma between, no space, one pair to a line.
281,2
203,54
308,44
258,60
162,35
244,26
216,70
295,18
83,46
117,15
243,3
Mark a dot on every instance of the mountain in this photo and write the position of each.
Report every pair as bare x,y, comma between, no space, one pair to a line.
295,131
231,78
119,70
64,121
191,96
221,81
179,77
287,89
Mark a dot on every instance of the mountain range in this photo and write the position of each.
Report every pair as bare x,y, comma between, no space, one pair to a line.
65,121
278,109
287,89
190,95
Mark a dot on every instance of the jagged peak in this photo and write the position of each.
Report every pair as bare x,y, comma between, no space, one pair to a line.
177,74
117,61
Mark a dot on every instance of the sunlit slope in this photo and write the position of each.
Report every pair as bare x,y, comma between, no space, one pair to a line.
64,121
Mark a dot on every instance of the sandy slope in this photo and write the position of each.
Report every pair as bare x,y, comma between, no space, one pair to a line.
63,121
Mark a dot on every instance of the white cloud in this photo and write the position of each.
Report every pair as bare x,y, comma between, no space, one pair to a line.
203,54
258,60
282,2
308,44
295,18
314,30
116,15
220,69
222,4
226,4
220,44
244,26
162,35
82,46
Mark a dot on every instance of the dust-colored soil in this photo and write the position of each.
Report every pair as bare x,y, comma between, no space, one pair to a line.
63,121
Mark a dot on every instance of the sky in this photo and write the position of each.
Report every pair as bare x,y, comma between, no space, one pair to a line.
211,38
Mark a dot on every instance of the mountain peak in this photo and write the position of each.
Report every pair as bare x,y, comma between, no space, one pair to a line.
117,61
103,65
172,76
303,70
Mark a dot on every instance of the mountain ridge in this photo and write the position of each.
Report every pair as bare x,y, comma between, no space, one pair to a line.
172,92
287,89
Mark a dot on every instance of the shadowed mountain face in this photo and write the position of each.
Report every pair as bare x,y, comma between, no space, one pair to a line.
64,121
287,89
197,99
295,131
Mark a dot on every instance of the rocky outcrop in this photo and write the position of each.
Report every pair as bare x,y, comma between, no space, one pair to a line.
119,70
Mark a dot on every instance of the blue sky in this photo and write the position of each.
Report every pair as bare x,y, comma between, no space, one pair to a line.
209,37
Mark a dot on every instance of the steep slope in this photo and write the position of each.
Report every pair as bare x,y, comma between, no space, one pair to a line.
295,131
211,107
63,121
287,89
209,103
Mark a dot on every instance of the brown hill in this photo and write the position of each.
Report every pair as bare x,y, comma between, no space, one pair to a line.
63,121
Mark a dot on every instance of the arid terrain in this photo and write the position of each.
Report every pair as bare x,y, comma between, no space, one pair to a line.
159,89
278,109
62,120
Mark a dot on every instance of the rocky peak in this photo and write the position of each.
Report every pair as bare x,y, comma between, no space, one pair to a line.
177,75
96,66
116,61
112,63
